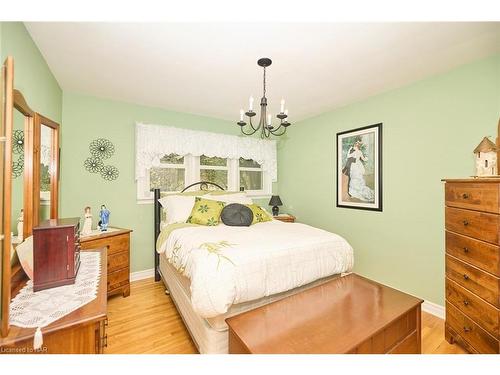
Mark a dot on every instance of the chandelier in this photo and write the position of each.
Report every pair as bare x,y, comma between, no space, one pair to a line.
265,123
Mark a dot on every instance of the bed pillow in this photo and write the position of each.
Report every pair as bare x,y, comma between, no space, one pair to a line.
177,208
239,197
237,215
259,214
205,212
25,254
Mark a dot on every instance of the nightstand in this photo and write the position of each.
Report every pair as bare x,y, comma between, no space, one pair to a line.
287,218
117,241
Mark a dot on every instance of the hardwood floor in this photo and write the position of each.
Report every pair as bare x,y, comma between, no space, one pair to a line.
147,322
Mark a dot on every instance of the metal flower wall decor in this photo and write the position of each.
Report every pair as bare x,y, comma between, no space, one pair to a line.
18,149
100,150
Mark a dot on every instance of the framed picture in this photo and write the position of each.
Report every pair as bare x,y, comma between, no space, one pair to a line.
359,168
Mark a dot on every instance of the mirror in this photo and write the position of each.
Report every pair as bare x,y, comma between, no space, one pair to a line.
6,112
29,166
47,172
22,168
17,155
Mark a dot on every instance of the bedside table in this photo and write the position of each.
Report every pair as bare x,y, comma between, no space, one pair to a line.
287,218
117,241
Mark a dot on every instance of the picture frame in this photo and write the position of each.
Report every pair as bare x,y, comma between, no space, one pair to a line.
359,168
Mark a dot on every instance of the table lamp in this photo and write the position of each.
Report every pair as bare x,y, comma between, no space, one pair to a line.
275,202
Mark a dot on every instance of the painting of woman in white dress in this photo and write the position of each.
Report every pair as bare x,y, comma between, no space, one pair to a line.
359,183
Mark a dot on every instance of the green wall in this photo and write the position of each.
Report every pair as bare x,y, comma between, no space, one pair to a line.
429,131
86,118
32,75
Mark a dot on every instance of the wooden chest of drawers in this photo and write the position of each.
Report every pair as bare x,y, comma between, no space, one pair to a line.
117,243
472,220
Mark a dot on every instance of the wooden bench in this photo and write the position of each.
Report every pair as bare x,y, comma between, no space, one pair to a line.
350,314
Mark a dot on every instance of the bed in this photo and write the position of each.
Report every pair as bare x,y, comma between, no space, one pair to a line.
213,273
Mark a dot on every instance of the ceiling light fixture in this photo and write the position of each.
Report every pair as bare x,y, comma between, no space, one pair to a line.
265,123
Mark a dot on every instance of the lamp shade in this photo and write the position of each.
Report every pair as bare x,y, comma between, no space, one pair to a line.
275,201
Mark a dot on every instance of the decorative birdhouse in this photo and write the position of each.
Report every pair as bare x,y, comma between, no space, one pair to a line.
486,158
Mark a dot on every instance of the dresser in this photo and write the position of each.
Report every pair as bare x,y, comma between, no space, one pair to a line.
82,331
117,242
472,221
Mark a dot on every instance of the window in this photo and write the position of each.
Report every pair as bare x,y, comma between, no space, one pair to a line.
250,175
170,175
176,172
214,169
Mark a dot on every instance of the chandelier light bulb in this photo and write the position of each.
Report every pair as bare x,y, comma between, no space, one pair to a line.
242,112
250,102
268,119
282,106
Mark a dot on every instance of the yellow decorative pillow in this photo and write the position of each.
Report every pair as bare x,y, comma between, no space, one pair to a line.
259,215
205,212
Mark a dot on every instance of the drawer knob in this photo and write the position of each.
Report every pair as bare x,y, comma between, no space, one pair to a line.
466,303
466,250
466,277
465,222
465,196
467,329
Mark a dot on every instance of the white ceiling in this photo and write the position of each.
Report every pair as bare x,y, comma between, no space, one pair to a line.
210,68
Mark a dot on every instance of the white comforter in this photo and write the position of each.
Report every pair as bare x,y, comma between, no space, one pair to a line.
230,265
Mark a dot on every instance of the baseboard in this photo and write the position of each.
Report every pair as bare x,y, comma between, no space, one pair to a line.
434,309
144,274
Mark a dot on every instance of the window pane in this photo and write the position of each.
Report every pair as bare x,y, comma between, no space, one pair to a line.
172,159
213,161
251,180
249,163
167,179
213,175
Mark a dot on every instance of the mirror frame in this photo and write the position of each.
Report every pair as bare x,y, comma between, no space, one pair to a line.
6,131
54,168
12,275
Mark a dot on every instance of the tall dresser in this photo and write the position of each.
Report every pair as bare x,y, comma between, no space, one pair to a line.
472,219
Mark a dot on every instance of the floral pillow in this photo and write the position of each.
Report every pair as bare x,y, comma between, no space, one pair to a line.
259,215
205,212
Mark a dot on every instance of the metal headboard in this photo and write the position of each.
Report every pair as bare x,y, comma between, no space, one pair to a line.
203,185
157,213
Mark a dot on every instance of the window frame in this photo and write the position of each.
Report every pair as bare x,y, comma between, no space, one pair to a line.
260,192
192,169
227,168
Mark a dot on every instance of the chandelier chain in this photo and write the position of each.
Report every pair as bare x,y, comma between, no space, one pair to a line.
264,82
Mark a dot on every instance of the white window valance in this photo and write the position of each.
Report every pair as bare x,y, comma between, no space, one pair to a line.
152,142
